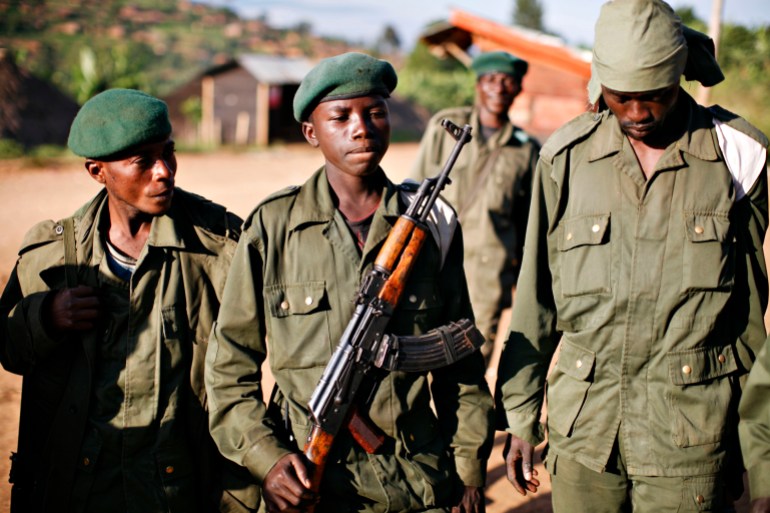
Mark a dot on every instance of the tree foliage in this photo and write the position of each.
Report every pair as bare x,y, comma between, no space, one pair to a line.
435,83
528,14
389,42
744,56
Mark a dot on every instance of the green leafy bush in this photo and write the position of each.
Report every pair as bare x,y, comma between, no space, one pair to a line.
435,83
10,149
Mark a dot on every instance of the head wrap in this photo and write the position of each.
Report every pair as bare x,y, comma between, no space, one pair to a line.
117,120
348,75
641,45
500,62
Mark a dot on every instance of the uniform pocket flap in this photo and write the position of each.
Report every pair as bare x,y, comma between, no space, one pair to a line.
575,361
174,462
706,227
699,365
420,295
89,452
296,298
417,431
585,230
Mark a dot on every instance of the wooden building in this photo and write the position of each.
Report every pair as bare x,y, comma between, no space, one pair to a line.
555,87
246,101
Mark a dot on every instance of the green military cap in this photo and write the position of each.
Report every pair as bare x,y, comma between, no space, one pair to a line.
117,120
500,62
642,45
348,75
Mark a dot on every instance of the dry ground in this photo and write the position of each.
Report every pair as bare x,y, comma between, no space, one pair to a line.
240,181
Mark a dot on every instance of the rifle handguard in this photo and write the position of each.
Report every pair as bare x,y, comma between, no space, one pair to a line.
438,348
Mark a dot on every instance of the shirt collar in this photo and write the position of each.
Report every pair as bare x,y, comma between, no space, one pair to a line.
697,140
500,137
166,231
314,203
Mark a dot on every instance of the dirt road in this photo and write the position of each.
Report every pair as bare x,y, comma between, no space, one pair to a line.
239,181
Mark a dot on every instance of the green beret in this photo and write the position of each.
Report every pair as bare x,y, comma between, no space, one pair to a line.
348,75
500,62
117,120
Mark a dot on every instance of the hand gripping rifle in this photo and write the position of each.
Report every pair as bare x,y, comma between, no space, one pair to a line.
365,349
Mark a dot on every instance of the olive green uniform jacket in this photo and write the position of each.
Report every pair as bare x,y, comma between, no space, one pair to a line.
492,204
657,289
174,297
288,299
754,427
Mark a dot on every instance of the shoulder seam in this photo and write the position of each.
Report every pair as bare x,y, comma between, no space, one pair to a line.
574,130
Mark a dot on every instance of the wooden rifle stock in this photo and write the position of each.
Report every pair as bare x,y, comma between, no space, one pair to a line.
408,240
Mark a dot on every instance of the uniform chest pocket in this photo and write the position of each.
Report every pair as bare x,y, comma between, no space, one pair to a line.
502,192
709,252
299,328
421,305
585,255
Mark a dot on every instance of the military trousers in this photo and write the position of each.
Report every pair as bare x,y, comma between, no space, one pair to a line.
578,489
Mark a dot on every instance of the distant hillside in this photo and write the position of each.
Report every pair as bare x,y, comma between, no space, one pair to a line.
85,46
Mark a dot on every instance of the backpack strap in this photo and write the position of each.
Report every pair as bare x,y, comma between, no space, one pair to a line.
70,253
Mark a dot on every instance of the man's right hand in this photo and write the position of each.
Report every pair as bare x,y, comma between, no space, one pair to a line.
519,456
73,309
287,486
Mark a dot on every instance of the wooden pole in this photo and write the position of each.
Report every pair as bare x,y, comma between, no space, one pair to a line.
715,24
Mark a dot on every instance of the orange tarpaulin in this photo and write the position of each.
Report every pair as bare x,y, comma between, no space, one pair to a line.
502,37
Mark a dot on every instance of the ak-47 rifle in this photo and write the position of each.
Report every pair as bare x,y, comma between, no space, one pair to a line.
365,350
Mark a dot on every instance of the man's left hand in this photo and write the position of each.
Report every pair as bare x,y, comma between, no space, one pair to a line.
472,501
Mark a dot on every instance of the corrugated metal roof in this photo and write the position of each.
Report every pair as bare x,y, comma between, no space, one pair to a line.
274,69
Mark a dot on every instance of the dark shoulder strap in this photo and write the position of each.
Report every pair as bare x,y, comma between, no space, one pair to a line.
70,253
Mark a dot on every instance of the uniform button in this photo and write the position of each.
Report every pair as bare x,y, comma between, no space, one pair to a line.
721,358
170,469
595,228
569,236
73,409
687,369
700,499
308,301
411,437
59,229
579,363
698,230
284,305
86,461
412,298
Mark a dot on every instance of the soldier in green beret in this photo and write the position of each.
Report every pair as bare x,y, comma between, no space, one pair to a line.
289,296
644,266
491,185
106,316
